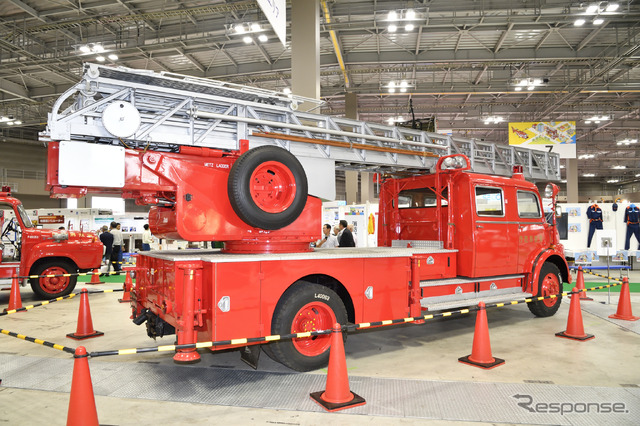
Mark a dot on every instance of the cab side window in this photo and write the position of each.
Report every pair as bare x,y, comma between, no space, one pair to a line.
489,201
528,205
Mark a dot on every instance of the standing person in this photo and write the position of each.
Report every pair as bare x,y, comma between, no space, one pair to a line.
329,240
355,236
345,238
107,240
116,253
147,239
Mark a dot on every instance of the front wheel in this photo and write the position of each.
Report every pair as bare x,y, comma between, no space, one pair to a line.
53,286
306,307
549,282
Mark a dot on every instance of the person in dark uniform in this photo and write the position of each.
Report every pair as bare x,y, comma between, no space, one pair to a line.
594,213
345,238
632,219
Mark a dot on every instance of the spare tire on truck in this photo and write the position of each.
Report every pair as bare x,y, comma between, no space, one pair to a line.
267,187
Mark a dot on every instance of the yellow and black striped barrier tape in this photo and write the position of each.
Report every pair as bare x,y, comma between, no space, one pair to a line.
602,276
38,341
57,299
352,327
277,337
75,274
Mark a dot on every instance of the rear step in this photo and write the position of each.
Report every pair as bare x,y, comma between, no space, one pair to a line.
432,305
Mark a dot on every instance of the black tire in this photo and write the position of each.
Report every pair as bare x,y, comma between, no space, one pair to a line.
50,288
285,205
302,295
539,308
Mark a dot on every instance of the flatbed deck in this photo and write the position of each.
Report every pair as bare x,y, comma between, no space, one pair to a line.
217,256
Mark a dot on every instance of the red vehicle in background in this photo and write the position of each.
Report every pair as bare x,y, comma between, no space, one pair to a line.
25,250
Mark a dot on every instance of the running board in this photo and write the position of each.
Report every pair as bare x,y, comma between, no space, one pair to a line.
466,280
432,305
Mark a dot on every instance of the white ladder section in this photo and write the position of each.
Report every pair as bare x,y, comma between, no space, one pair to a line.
161,111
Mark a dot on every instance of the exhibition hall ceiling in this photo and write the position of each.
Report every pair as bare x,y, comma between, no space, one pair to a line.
459,61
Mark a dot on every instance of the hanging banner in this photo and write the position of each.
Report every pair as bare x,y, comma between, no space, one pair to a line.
276,13
557,136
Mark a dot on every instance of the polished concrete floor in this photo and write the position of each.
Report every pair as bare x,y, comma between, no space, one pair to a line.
406,360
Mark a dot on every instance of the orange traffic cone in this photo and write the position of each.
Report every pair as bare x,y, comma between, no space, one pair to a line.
15,301
82,403
84,330
624,304
580,286
128,284
337,395
95,277
575,329
481,350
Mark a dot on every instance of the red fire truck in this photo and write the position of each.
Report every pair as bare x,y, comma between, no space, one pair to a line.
25,250
447,238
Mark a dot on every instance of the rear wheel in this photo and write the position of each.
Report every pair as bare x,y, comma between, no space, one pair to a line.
267,187
55,286
549,282
306,307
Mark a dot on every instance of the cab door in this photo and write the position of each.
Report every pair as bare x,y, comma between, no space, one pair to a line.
495,233
532,235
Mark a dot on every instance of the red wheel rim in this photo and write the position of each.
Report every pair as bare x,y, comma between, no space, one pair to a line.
313,316
272,187
54,284
550,285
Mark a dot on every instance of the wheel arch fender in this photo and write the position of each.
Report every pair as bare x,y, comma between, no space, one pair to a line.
325,281
554,257
39,261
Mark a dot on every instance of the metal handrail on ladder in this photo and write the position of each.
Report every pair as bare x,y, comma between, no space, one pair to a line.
166,110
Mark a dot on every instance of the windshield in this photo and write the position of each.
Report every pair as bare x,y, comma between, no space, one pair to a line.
24,216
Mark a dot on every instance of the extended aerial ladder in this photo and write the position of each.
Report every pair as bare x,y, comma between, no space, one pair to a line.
164,110
172,141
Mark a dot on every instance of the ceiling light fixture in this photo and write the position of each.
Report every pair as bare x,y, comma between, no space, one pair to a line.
598,21
593,9
613,181
113,57
579,22
586,156
263,37
612,7
588,175
392,28
100,58
247,39
619,167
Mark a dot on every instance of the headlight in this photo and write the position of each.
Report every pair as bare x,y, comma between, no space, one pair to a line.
548,191
449,163
460,162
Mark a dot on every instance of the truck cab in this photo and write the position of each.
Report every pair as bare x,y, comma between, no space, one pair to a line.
504,244
25,250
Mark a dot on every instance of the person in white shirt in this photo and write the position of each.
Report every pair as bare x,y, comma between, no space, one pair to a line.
147,239
355,237
116,253
329,240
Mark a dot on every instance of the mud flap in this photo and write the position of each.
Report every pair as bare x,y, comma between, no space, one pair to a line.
250,355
